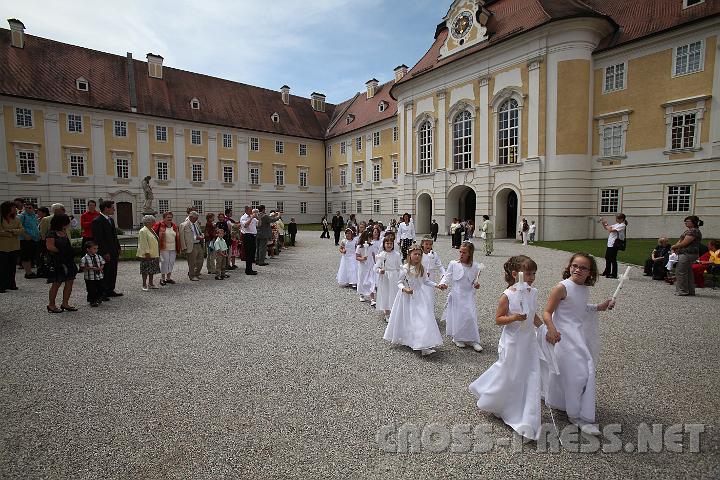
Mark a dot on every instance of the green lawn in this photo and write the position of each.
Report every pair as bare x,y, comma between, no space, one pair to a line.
638,249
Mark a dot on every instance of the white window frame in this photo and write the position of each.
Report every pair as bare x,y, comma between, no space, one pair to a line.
123,166
359,143
24,117
302,150
163,202
197,172
255,204
303,207
254,174
343,206
376,172
79,162
161,133
376,206
228,205
254,144
343,176
195,105
80,82
162,174
376,139
462,159
701,58
199,206
614,87
395,206
358,171
358,206
30,163
670,191
195,137
328,206
508,154
75,124
79,206
425,142
227,140
120,128
280,206
343,147
275,118
279,147
677,108
225,168
608,195
279,176
685,4
382,106
328,178
395,134
303,178
328,151
603,124
395,169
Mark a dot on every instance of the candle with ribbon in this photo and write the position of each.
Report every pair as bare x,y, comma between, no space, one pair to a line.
623,278
520,287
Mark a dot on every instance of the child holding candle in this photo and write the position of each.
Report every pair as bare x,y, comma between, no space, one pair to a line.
347,273
388,265
460,313
432,264
375,246
571,326
365,285
510,388
412,322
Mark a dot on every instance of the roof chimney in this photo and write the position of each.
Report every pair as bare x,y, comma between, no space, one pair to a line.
400,72
155,65
371,87
285,94
317,100
17,32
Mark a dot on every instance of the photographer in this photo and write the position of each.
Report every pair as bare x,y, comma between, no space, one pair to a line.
616,241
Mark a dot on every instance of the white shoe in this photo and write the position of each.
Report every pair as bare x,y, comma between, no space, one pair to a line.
372,303
477,347
427,351
460,344
387,318
145,289
585,427
154,287
362,299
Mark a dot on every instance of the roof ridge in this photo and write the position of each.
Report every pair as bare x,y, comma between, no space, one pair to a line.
339,115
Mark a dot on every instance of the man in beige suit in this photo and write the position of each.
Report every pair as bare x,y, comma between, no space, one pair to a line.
191,239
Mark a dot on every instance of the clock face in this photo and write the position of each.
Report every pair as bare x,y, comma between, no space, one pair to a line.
461,25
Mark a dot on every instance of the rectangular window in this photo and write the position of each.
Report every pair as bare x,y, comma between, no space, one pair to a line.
26,162
228,174
197,172
160,133
358,206
79,206
328,179
75,123
689,58
32,200
396,169
195,137
396,206
279,177
614,78
198,206
358,174
227,140
23,117
255,204
120,128
163,206
358,143
302,149
303,178
228,205
122,168
303,207
683,130
679,198
328,207
612,140
343,147
376,139
376,206
395,133
254,176
77,166
280,206
343,177
343,207
254,144
162,171
329,151
610,200
279,146
376,172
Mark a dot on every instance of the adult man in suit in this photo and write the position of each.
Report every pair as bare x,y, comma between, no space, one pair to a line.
248,228
434,228
191,239
264,232
337,225
105,235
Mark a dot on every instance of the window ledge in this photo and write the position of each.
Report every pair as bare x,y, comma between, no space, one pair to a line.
228,184
255,186
675,151
507,166
611,158
279,187
395,181
78,178
303,189
124,181
28,175
425,175
460,170
343,187
379,182
197,184
162,182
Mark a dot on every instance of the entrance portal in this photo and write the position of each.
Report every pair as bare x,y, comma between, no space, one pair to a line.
424,213
506,213
461,204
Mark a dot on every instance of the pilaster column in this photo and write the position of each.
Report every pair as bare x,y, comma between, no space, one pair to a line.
533,106
483,117
441,139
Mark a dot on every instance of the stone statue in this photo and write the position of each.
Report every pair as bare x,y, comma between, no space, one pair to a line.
147,190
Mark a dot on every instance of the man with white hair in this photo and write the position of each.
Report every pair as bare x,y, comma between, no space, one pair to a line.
55,209
191,239
248,228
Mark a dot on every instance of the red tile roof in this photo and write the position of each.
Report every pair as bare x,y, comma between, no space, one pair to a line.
365,111
632,19
46,70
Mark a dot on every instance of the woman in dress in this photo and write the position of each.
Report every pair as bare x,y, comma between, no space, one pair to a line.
167,233
149,253
347,272
388,265
688,250
62,258
10,232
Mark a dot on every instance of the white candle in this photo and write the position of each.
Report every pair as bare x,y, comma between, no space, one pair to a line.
521,293
625,276
481,267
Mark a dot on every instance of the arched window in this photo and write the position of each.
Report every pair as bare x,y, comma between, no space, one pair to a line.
425,147
508,132
462,141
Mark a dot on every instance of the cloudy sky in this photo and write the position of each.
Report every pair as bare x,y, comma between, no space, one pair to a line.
329,46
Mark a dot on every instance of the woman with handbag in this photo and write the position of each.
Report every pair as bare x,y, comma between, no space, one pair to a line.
616,241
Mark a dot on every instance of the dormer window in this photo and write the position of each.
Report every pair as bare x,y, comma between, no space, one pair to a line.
691,3
382,106
275,118
349,119
82,84
195,104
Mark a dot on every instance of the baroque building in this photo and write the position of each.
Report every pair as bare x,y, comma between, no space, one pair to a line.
557,111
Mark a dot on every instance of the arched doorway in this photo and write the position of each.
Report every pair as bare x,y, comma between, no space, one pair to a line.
506,213
424,213
124,214
461,202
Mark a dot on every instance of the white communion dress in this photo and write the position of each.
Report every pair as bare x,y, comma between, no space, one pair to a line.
365,281
434,270
510,388
568,368
347,273
460,313
374,249
387,284
412,322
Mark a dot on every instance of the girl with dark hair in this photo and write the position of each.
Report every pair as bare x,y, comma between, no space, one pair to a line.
10,232
62,256
616,241
688,250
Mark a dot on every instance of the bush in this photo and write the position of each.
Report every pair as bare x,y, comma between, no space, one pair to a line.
75,233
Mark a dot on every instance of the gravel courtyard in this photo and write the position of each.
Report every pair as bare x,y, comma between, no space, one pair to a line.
285,374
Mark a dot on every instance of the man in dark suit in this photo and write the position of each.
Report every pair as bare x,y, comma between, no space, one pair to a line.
337,225
105,235
434,227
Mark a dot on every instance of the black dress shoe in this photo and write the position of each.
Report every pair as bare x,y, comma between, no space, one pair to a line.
263,264
12,288
104,299
251,273
115,294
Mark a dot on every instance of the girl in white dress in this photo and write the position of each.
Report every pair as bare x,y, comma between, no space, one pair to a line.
568,373
388,265
365,284
374,249
510,388
412,322
347,273
460,313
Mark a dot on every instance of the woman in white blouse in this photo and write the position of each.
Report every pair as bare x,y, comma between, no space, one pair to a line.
406,234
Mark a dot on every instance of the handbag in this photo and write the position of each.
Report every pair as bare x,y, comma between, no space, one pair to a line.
620,244
483,235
